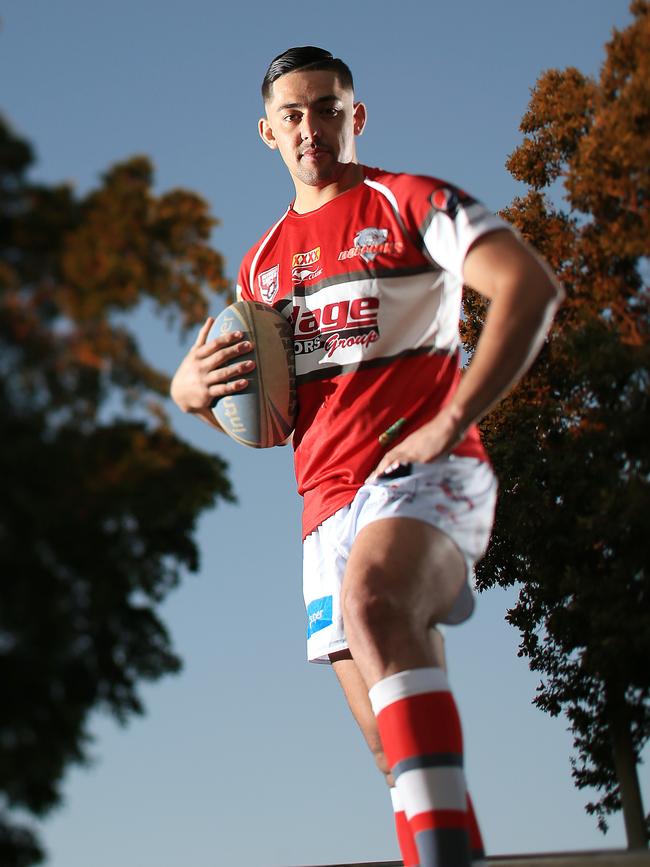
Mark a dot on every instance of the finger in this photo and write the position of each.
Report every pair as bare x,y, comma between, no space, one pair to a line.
222,357
390,461
232,342
225,388
223,374
202,336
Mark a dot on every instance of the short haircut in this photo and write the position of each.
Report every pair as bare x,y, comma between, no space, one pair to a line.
305,57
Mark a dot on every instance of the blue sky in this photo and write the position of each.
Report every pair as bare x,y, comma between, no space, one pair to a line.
248,758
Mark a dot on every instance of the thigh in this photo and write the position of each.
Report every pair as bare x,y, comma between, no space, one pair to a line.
415,568
403,576
456,496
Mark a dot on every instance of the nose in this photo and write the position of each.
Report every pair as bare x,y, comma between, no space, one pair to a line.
309,130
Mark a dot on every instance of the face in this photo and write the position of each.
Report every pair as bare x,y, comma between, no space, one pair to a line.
312,120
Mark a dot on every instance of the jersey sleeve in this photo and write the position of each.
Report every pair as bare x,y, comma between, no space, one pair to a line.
441,218
453,222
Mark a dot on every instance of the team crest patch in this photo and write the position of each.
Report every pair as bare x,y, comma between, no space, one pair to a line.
269,283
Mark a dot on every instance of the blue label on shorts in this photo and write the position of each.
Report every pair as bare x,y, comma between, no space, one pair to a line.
319,615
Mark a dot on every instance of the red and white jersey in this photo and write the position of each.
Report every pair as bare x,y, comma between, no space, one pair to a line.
372,282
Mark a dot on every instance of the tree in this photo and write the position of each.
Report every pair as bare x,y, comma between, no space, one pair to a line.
99,497
570,444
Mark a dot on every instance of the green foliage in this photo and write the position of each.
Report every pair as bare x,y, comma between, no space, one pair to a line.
570,444
18,845
100,498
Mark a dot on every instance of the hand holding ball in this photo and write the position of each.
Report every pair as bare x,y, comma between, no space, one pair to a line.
263,414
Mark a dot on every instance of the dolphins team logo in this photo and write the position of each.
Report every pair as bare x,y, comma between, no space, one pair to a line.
369,241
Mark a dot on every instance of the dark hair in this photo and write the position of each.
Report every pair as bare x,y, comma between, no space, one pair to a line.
304,57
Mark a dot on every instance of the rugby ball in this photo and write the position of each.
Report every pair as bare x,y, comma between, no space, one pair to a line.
263,414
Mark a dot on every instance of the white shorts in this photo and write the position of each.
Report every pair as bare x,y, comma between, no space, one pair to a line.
455,494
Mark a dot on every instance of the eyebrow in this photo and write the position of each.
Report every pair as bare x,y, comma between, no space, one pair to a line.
328,98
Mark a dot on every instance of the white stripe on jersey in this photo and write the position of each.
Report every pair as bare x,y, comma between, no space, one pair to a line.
388,194
348,323
251,275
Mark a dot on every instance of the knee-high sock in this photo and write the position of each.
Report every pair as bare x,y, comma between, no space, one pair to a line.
407,847
475,838
422,739
406,840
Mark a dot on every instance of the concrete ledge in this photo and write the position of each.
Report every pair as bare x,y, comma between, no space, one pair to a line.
603,858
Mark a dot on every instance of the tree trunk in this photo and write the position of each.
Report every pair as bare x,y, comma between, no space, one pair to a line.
625,762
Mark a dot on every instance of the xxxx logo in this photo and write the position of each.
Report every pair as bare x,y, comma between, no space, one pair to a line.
309,258
304,266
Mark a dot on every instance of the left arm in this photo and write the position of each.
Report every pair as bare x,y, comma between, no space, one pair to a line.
524,296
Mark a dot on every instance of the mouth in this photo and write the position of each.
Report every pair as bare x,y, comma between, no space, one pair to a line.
314,153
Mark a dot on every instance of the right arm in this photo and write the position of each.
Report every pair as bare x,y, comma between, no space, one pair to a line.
211,370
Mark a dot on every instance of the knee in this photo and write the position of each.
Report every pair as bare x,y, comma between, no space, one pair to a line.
369,609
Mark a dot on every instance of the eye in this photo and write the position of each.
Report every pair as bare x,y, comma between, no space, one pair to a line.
290,118
330,112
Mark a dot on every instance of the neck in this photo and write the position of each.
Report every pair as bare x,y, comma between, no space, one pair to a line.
310,198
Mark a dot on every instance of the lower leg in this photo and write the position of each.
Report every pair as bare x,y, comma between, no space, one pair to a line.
405,838
402,576
357,696
421,735
475,837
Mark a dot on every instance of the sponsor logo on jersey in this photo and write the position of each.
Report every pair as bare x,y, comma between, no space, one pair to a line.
336,325
309,258
302,266
369,242
269,283
319,615
303,275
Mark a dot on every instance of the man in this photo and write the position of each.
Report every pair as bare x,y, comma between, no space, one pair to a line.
398,493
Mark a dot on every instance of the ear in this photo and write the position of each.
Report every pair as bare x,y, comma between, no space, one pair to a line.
266,133
360,117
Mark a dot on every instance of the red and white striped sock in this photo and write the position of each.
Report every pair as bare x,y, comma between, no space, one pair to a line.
475,838
406,841
423,743
407,847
